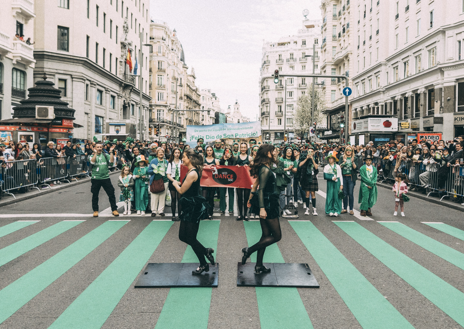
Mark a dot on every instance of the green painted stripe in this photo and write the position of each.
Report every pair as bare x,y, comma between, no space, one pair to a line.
189,307
12,227
441,250
17,294
93,307
19,248
449,299
448,229
278,307
367,304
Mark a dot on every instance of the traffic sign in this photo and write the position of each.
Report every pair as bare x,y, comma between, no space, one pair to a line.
347,91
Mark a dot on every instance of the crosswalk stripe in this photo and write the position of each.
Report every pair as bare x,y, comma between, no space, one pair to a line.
12,227
278,307
448,229
189,307
442,294
93,306
367,304
18,293
19,248
441,250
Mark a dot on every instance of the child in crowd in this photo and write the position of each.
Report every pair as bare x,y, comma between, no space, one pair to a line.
126,183
400,189
141,185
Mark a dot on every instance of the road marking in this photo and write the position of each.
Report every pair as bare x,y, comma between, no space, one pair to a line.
19,248
82,215
278,307
427,223
387,221
18,293
13,227
96,303
357,214
448,229
372,310
442,294
343,221
28,221
189,307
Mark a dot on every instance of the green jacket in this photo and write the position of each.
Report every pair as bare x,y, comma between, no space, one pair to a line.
282,179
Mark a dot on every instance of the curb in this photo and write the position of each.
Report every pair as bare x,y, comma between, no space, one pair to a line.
424,197
43,192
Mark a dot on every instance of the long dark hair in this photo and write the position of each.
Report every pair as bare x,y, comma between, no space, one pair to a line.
171,158
292,157
206,151
227,147
262,158
196,159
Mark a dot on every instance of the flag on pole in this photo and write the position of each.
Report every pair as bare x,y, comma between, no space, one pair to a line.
136,66
129,60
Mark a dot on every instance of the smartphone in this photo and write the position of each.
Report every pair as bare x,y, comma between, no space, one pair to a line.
227,152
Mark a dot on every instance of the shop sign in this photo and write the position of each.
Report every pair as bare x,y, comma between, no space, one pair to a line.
61,130
61,141
404,124
427,122
433,136
375,124
67,123
459,120
415,124
328,132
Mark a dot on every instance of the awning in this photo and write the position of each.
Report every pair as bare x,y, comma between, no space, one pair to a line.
25,120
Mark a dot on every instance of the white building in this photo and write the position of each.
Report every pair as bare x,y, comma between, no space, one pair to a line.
409,64
288,55
16,56
210,103
82,46
337,58
234,115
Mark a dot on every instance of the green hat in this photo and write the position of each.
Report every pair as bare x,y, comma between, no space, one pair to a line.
140,158
115,141
95,139
235,143
184,140
2,145
107,142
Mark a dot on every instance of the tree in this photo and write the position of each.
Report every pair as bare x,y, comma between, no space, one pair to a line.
303,110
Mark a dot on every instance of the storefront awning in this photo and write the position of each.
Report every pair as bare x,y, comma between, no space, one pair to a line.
25,120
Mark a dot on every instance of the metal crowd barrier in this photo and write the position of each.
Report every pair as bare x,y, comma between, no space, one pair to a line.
77,166
19,174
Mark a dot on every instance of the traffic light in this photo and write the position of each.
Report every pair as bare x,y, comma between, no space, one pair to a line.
341,119
276,76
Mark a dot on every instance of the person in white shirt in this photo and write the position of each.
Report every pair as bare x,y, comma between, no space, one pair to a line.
173,173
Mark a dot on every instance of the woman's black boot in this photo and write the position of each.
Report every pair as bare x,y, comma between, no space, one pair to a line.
209,255
201,269
245,255
262,269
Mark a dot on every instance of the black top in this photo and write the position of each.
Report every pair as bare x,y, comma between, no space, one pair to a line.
230,162
194,189
266,184
240,162
210,163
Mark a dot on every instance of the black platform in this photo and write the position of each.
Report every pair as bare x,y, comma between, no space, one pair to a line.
170,275
282,275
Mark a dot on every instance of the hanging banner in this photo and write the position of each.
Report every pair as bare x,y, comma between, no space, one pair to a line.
223,176
223,131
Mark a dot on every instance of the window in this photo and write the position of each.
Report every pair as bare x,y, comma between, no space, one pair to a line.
104,23
96,52
396,41
460,48
461,97
303,81
62,87
63,38
132,20
111,29
132,109
363,87
370,84
332,95
19,28
18,80
97,15
303,42
63,4
377,81
291,55
407,34
112,102
279,122
117,1
116,66
160,65
334,51
289,121
87,47
116,34
431,18
88,8
418,63
417,105
279,107
395,74
303,67
406,69
86,92
160,96
430,101
316,41
159,115
98,125
104,57
111,61
292,68
159,80
377,56
388,81
290,94
432,57
99,97
397,7
122,9
405,107
418,26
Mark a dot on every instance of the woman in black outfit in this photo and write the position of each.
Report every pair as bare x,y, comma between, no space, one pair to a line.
243,194
193,209
208,192
266,203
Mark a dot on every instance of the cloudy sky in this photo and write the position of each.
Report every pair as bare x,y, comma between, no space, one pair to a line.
223,40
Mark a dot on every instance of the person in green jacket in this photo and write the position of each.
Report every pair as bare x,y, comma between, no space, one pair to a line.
368,188
141,185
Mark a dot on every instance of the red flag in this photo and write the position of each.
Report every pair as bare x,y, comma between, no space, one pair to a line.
223,176
129,60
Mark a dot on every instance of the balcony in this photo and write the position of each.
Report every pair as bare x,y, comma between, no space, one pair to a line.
279,99
160,86
279,86
303,59
23,53
18,93
263,88
4,43
334,17
266,62
334,37
279,61
333,81
129,78
265,113
279,114
160,69
264,100
340,55
291,60
23,7
302,85
347,26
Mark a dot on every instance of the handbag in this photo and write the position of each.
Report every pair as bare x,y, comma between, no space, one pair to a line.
405,198
157,186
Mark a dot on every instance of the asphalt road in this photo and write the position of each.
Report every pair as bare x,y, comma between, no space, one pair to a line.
68,270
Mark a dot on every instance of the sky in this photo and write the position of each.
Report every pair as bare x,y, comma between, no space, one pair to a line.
223,40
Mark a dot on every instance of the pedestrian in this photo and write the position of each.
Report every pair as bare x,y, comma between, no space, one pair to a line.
368,188
126,183
400,189
157,170
297,190
265,202
291,167
349,173
333,176
194,208
308,168
141,185
101,178
174,170
243,194
226,160
208,192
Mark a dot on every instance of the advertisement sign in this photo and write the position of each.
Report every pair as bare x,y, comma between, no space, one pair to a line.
459,120
375,124
67,123
223,176
6,137
61,141
433,136
353,140
361,139
427,122
223,131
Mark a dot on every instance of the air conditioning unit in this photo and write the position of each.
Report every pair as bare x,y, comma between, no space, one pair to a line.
44,112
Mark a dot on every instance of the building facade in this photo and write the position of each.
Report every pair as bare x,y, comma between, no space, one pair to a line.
16,56
209,103
409,65
336,59
234,115
288,55
82,46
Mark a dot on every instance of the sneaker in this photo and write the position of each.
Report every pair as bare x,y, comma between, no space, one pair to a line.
344,211
402,214
300,201
125,212
335,215
142,213
304,205
395,213
287,212
138,212
115,213
307,212
314,212
331,214
351,212
95,214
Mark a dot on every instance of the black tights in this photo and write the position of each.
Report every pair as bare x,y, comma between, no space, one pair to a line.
188,233
242,199
208,194
174,197
271,234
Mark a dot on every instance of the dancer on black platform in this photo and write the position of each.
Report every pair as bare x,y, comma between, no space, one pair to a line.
193,208
265,203
243,194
